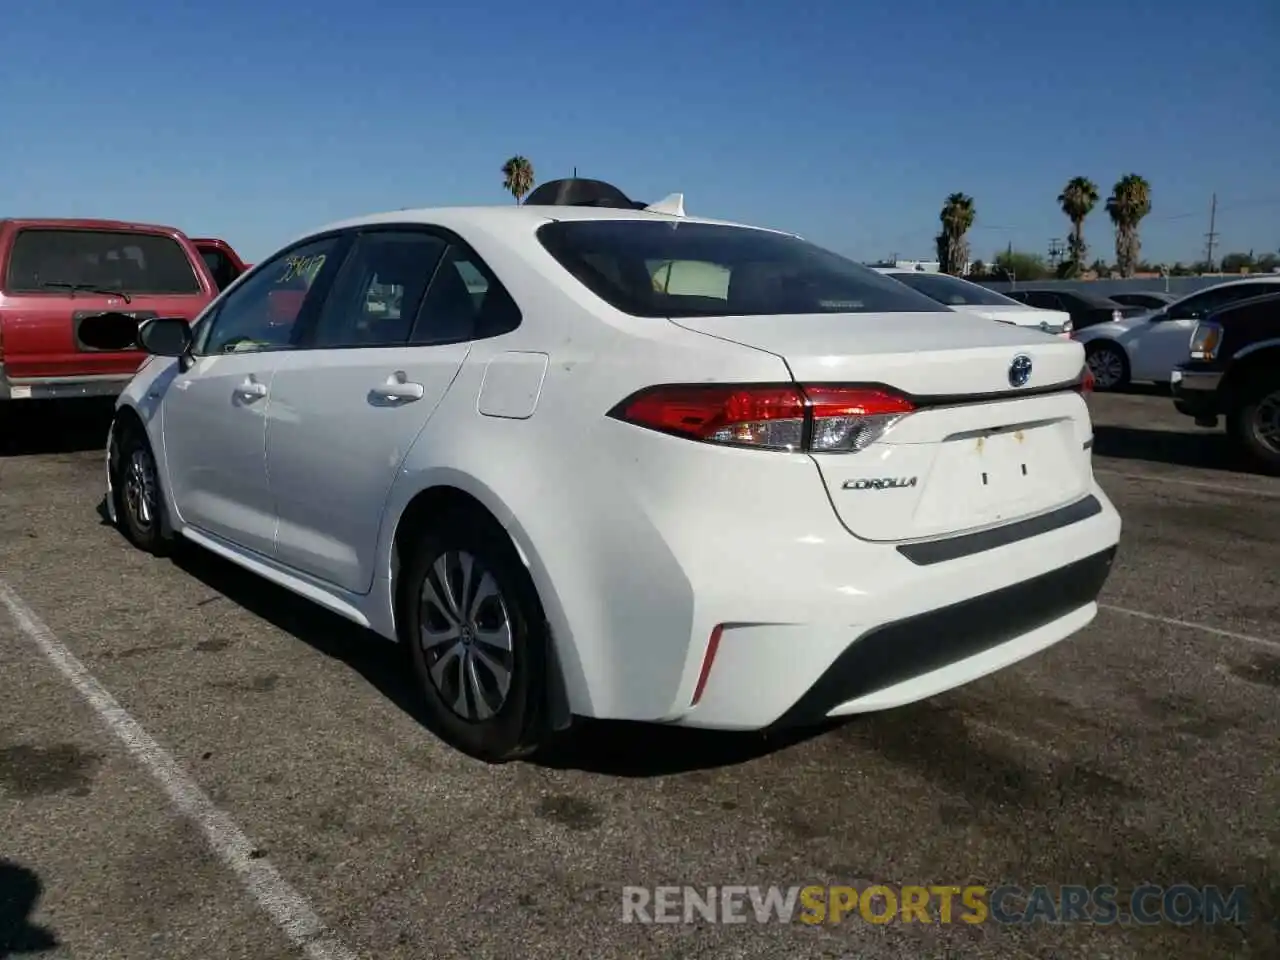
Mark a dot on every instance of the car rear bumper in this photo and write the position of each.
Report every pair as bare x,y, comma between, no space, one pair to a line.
1195,392
950,620
62,388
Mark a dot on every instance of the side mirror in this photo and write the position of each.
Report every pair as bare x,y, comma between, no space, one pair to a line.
165,336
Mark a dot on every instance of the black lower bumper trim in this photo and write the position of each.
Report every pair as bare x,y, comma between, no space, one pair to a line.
899,651
952,548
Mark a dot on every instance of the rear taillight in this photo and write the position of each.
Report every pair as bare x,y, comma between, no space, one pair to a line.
1085,385
817,419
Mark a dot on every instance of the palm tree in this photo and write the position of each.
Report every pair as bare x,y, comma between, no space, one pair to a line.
953,249
517,177
1129,202
1077,199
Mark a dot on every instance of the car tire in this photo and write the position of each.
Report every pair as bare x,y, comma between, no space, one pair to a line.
135,485
1254,423
468,564
1108,364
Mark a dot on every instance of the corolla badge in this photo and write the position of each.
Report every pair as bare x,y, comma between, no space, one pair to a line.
879,483
1020,370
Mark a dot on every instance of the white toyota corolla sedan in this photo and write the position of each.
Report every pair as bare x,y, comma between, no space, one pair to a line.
496,436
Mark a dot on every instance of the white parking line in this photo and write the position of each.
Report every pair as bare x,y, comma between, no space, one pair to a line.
288,908
1204,484
1204,627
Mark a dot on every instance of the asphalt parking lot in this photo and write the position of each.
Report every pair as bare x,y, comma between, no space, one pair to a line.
258,778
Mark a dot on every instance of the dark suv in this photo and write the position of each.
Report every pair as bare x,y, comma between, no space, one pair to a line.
1234,372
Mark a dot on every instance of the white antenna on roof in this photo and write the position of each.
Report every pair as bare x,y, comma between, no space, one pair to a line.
672,204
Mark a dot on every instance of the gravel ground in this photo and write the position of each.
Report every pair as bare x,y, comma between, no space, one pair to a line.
1145,749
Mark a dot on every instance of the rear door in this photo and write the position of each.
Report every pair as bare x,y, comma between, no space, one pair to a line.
384,350
55,277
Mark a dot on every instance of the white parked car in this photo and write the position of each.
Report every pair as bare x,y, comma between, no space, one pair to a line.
569,491
1146,347
970,297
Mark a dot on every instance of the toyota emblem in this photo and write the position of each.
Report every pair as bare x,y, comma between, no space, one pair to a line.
1020,370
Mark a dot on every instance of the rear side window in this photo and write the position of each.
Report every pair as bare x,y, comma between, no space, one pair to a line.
45,261
465,301
651,268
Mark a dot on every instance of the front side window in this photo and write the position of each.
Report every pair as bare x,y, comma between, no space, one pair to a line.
376,295
45,260
1206,302
652,268
260,314
953,292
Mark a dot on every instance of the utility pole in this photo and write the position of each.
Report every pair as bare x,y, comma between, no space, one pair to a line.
1212,236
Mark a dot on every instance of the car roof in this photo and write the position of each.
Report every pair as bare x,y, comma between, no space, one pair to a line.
80,223
523,217
1229,283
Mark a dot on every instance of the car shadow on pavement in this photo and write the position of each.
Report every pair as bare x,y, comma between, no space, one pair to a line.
43,427
20,890
1204,449
611,748
616,748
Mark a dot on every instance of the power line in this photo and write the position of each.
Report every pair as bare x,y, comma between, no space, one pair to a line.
1234,204
1024,228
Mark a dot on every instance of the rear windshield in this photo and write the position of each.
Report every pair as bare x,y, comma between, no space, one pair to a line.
953,292
651,268
44,260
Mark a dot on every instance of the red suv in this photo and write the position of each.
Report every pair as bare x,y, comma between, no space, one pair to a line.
55,273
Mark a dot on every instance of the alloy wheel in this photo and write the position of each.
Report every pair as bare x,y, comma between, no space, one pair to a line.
140,489
1107,367
1266,421
465,633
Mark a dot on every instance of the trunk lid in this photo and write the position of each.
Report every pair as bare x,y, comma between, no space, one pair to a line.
981,449
1048,321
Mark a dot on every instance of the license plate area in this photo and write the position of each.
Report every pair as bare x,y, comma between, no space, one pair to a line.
1001,474
79,316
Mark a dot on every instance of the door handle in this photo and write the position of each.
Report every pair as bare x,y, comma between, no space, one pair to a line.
251,388
397,388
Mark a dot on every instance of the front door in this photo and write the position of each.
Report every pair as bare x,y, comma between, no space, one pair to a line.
215,413
1156,346
381,355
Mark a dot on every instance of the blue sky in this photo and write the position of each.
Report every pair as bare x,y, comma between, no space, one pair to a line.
846,122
